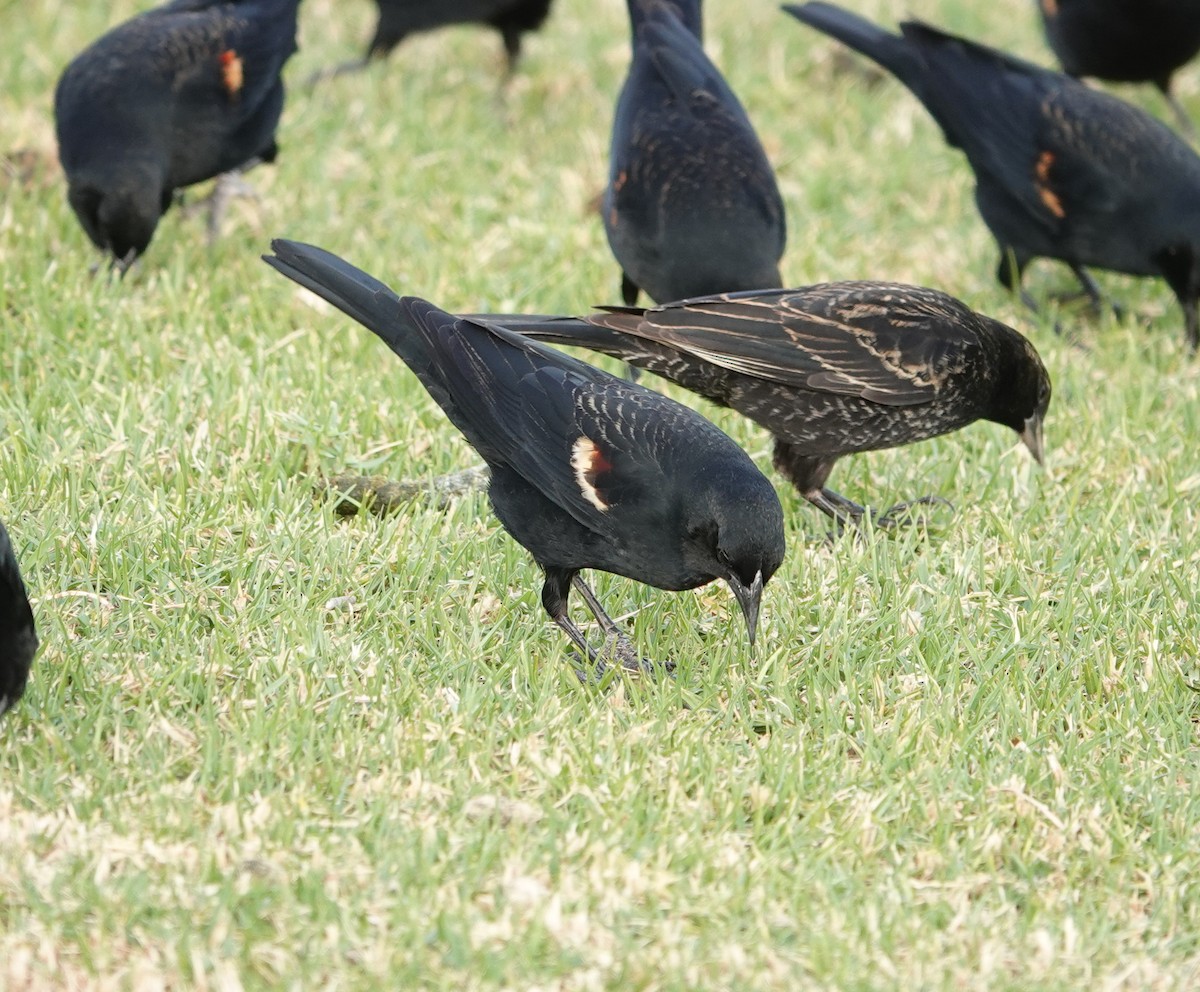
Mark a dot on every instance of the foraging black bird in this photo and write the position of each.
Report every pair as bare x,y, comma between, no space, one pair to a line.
829,369
1061,170
691,206
1125,41
18,636
588,470
512,18
175,96
400,18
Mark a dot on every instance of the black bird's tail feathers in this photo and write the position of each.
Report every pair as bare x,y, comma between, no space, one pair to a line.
890,50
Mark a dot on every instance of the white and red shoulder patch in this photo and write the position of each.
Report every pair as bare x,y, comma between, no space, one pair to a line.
590,467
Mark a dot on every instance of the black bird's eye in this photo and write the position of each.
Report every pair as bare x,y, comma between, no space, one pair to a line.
723,557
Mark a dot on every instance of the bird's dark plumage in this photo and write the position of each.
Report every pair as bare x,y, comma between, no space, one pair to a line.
588,471
177,95
18,636
512,18
691,206
1062,171
1125,41
828,369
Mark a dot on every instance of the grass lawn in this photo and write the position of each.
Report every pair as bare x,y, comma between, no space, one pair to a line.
265,746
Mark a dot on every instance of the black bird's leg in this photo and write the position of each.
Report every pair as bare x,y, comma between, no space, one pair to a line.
622,647
512,53
228,186
1092,291
629,290
341,69
1010,272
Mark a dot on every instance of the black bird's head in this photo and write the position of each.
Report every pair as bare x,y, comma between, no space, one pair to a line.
1022,388
119,219
735,533
1179,263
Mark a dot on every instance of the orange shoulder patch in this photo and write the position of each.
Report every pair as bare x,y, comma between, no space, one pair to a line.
1050,8
231,72
1041,183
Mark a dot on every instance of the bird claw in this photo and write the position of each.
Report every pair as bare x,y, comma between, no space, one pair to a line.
618,648
902,512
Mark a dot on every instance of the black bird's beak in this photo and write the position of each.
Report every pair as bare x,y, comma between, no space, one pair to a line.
749,599
1032,436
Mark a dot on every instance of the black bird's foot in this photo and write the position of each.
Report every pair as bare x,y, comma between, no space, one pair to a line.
229,186
621,650
902,513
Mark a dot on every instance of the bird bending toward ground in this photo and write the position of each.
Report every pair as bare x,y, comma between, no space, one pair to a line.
691,206
829,369
1125,41
587,470
175,96
18,636
1061,170
400,18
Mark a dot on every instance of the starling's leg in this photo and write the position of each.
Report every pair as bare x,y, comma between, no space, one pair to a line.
846,512
622,648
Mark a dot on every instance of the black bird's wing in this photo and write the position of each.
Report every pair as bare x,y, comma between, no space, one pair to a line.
519,403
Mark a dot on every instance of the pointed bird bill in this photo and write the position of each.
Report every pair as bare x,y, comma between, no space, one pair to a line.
1032,436
749,599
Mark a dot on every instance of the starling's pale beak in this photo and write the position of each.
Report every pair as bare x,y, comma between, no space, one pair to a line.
1032,436
749,599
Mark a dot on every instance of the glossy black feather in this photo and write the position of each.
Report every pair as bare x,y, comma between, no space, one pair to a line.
691,205
18,636
512,18
828,369
1062,171
1132,41
177,95
669,500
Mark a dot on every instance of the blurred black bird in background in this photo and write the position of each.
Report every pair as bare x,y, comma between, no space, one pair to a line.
175,96
18,636
1061,171
588,470
691,206
400,18
1125,41
829,369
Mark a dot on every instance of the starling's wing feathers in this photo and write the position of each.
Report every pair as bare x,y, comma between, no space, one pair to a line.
888,344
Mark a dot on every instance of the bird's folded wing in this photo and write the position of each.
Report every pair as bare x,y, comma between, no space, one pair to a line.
887,347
